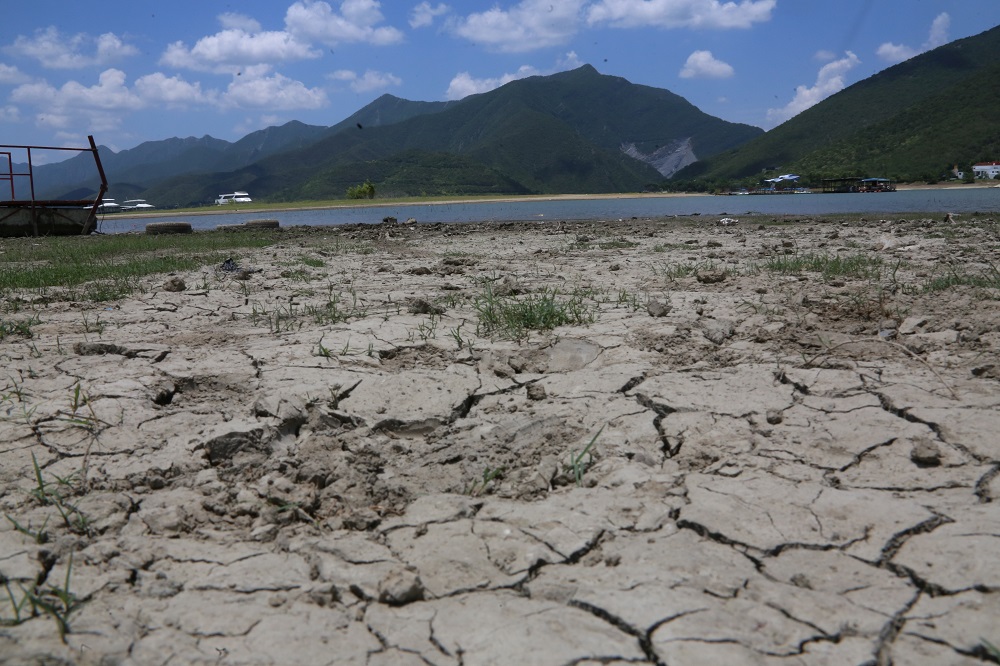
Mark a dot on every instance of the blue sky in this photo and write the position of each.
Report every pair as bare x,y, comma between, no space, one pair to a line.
129,71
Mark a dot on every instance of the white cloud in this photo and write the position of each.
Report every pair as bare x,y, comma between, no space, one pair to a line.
233,49
529,25
236,21
9,114
895,52
10,74
57,51
939,31
109,93
316,21
938,36
824,56
703,65
463,85
424,14
568,62
829,81
681,13
273,92
370,80
173,91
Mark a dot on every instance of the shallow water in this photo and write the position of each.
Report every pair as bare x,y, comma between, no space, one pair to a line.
909,201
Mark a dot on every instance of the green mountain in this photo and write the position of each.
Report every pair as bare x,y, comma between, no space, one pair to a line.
909,122
572,132
131,172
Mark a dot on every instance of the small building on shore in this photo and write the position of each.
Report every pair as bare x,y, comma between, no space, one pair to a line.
986,170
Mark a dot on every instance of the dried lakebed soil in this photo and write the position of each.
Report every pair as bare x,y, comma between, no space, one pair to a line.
776,442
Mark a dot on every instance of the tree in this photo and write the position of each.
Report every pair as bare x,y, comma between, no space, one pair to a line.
363,191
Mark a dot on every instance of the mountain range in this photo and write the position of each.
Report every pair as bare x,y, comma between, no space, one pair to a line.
578,131
573,132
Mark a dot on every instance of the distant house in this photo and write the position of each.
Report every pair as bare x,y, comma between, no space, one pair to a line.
986,170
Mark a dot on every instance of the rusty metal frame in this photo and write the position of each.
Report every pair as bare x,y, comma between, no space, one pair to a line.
33,204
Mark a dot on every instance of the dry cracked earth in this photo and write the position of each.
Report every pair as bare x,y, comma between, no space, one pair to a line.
775,442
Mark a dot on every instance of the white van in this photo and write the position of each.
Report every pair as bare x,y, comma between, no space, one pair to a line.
235,197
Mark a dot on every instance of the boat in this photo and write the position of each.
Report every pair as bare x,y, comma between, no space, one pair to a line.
45,217
235,197
137,205
108,206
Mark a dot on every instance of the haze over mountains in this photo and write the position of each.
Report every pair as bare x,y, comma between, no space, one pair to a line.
577,132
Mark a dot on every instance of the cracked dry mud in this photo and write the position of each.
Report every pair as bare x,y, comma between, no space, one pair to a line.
785,469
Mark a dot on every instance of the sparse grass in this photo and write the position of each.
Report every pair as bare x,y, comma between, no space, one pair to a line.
112,266
281,318
56,601
18,327
56,493
860,266
513,317
312,262
988,278
674,272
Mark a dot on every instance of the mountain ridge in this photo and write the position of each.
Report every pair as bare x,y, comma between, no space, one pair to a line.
578,131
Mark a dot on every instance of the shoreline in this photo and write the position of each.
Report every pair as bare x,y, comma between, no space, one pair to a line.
220,210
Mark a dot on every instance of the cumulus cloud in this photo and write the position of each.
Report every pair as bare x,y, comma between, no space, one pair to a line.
831,79
938,36
463,84
10,74
568,62
9,114
273,92
711,14
236,21
529,25
424,14
172,91
110,92
370,80
824,56
356,22
232,49
703,65
54,50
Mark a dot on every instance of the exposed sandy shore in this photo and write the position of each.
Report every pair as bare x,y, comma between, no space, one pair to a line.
326,457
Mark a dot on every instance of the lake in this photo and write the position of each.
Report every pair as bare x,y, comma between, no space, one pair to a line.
936,201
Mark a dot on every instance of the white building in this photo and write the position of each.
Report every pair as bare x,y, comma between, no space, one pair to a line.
986,170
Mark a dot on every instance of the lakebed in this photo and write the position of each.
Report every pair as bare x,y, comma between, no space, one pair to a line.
766,442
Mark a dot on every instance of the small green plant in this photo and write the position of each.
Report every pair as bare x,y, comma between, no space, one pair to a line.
479,486
991,650
39,536
428,331
580,462
321,350
96,326
55,493
20,328
56,601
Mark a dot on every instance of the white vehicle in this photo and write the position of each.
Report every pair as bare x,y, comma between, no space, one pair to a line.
235,197
137,204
